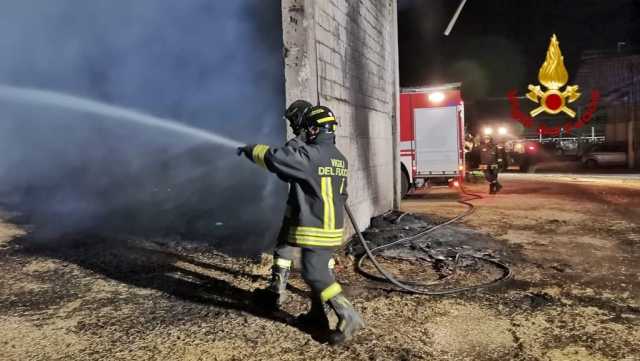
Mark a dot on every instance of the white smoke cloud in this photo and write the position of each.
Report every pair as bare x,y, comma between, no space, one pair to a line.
214,65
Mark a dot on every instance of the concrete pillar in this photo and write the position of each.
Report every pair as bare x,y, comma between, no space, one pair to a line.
299,38
397,186
346,54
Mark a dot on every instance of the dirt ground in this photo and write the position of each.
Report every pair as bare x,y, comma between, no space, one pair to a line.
573,245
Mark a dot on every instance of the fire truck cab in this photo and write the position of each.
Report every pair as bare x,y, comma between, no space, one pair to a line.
431,136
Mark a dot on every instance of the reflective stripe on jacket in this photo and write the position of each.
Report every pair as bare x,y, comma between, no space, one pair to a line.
317,174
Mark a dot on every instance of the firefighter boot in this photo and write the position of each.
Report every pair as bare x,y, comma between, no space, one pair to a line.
497,187
316,317
492,188
278,285
349,321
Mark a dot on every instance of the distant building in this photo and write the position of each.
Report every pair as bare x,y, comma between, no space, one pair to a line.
616,75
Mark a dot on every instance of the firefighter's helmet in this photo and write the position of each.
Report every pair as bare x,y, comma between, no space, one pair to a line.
295,114
321,117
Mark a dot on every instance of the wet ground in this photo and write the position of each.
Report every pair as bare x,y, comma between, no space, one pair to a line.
573,245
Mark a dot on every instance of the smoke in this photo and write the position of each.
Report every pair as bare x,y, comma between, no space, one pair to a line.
212,65
60,100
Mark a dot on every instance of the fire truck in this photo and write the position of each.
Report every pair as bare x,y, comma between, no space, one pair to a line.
431,136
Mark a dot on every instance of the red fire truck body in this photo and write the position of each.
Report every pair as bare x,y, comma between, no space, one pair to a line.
431,135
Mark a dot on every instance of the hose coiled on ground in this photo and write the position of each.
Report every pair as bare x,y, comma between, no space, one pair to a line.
412,287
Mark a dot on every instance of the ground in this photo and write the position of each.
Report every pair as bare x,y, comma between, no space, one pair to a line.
573,244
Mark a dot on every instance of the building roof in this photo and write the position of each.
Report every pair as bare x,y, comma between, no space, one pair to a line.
446,86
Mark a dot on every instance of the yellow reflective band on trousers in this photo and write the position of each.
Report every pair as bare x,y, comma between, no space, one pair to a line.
259,151
330,292
316,231
282,263
326,188
325,119
315,236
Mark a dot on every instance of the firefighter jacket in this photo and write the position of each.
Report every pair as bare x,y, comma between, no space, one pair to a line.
317,174
488,154
294,142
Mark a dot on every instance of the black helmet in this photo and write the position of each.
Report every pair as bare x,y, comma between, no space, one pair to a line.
321,117
295,114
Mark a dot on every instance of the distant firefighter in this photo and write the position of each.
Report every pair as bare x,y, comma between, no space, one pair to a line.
501,154
468,143
317,174
490,162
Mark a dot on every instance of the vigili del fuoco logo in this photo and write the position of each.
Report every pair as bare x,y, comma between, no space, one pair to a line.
551,98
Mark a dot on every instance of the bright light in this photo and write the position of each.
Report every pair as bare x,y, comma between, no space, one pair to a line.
531,147
436,97
502,131
488,131
456,184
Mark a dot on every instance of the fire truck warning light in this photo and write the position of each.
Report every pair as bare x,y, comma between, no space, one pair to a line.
436,97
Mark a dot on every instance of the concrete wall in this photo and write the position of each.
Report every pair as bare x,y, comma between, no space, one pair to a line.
346,53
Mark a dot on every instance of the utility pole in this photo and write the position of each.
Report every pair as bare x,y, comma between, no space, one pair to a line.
453,20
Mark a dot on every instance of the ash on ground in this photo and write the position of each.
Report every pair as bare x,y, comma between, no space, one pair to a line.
435,256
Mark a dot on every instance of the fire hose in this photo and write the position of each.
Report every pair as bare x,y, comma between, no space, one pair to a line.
416,287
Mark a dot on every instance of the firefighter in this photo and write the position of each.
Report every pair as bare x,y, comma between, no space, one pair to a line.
469,148
468,143
317,173
489,162
283,253
501,155
295,115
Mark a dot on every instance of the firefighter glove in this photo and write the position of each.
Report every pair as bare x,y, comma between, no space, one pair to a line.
246,150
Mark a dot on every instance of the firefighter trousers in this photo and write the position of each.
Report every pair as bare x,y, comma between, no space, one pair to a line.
317,265
491,174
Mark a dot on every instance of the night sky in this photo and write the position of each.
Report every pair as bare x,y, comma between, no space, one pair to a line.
499,45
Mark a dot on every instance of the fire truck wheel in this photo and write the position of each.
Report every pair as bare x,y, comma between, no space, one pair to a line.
405,184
